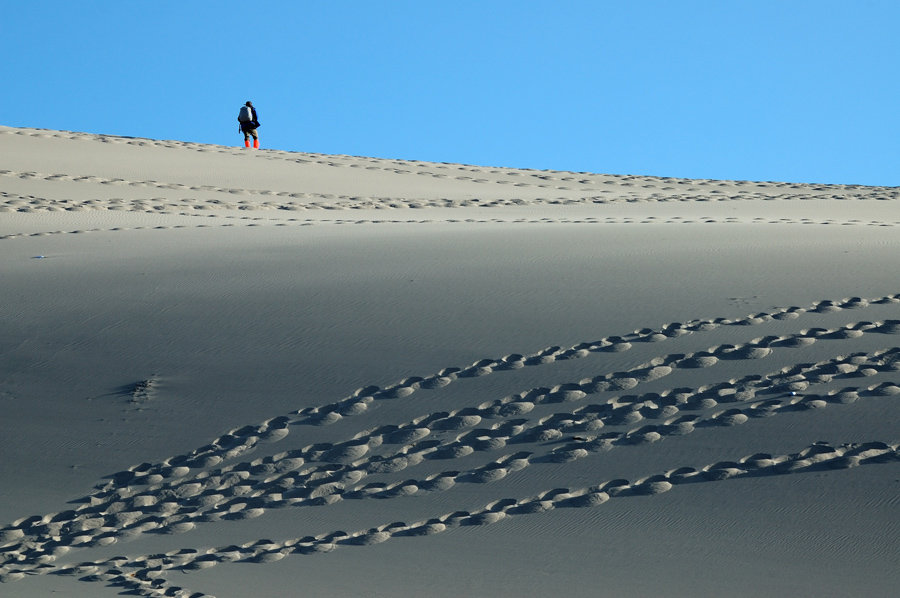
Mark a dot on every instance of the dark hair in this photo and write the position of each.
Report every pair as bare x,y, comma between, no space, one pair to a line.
249,103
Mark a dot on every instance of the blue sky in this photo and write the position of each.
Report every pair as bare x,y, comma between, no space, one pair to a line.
799,90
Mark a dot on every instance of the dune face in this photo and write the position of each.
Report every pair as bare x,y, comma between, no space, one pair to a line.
220,365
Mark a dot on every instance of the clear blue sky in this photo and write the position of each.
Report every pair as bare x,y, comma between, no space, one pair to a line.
799,90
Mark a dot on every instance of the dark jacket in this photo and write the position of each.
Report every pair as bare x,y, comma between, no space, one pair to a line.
253,123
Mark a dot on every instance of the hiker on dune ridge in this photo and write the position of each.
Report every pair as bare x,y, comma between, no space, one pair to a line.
249,123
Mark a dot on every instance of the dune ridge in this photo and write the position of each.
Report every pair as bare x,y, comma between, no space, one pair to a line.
756,393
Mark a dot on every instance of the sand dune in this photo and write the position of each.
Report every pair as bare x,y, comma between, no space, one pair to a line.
220,364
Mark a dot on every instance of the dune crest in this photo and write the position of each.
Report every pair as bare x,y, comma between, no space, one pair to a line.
218,356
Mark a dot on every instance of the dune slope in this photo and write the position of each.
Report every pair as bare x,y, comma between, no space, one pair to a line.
259,373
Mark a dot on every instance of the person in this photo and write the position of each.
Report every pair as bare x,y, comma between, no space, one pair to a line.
249,122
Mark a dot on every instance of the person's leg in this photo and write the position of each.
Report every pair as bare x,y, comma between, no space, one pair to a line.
255,138
246,139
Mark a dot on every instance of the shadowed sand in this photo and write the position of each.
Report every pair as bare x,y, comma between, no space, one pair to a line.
454,380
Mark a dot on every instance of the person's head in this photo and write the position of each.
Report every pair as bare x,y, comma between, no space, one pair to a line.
249,103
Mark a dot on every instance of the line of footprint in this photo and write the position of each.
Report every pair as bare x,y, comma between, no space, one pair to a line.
418,167
493,470
145,575
26,204
23,202
27,175
246,490
254,222
336,161
31,203
713,196
513,405
358,402
68,178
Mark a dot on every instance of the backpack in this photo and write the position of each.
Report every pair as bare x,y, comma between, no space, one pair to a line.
245,115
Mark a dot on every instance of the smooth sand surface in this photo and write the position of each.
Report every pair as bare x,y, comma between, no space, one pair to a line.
245,373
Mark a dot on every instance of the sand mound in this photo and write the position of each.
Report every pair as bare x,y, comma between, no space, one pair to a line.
580,366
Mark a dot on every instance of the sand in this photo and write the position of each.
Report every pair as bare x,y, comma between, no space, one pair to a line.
259,373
